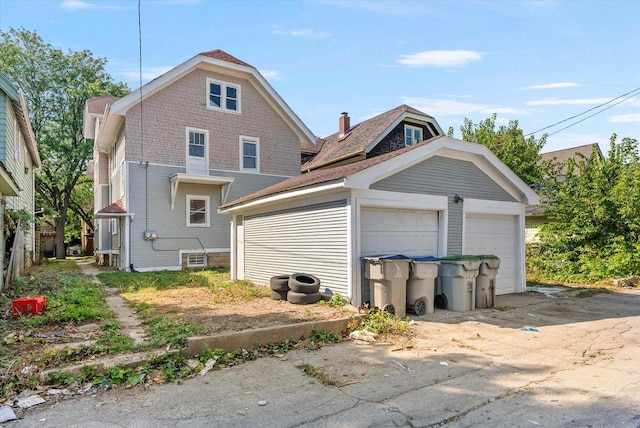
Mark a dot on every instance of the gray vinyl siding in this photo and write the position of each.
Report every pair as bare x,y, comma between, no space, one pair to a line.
444,176
311,239
153,212
3,127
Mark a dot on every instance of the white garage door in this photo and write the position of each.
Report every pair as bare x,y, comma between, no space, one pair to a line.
395,231
485,234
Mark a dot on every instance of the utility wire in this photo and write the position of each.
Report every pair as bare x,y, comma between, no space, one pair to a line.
591,115
631,93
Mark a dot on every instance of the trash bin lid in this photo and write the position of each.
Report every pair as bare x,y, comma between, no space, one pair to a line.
425,259
469,262
374,259
487,257
492,262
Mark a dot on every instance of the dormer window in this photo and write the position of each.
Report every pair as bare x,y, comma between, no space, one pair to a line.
223,96
412,135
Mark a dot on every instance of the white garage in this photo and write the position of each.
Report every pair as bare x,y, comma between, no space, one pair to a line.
496,235
398,231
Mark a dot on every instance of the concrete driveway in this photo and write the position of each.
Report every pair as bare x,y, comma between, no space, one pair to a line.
581,368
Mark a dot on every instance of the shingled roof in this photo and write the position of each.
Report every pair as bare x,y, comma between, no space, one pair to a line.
115,208
356,139
321,176
564,154
223,56
96,105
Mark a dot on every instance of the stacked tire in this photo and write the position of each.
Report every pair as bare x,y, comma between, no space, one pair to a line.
299,288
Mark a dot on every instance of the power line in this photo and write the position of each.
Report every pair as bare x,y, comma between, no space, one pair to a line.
598,112
587,111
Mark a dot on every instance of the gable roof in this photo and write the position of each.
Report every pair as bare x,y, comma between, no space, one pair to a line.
216,60
362,137
22,116
564,154
363,173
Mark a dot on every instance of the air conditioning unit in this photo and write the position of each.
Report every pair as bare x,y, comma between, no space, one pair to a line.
149,235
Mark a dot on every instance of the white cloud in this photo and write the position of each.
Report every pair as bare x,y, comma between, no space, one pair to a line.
76,4
303,32
148,73
553,86
571,102
437,107
440,58
271,74
625,118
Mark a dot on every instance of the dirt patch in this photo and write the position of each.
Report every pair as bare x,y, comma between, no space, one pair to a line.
197,305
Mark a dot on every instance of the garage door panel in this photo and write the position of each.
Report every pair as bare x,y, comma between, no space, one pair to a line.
494,235
395,231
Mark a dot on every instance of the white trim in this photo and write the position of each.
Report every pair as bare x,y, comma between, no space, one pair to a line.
449,147
252,140
383,199
158,268
207,209
481,206
176,179
188,131
223,96
413,128
213,169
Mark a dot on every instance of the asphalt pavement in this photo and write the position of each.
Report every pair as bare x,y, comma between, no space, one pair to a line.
538,361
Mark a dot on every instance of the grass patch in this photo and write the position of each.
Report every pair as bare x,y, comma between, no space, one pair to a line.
380,322
223,289
78,300
316,373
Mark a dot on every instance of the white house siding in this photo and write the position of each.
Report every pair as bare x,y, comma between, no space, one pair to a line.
311,239
151,210
446,176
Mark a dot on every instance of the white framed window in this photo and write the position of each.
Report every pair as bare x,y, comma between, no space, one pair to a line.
223,96
249,154
412,135
196,260
196,143
197,148
198,211
113,226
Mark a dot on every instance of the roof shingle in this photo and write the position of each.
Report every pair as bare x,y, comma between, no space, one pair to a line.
223,56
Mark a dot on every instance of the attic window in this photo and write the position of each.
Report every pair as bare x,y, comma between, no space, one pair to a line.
412,135
223,96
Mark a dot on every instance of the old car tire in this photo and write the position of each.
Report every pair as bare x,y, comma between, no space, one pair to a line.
304,283
303,298
440,301
278,295
279,283
420,306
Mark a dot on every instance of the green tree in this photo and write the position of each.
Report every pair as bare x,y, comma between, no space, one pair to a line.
56,85
521,154
594,210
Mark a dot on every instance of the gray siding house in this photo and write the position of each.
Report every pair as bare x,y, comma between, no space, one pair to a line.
19,160
440,196
169,154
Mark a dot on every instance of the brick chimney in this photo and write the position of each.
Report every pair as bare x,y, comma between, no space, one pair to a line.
345,123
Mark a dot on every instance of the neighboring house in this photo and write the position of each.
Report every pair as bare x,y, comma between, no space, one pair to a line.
19,160
535,215
439,197
169,154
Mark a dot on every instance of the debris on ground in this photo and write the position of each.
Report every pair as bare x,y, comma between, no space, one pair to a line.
531,329
7,414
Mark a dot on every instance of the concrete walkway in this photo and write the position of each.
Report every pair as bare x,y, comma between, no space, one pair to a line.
127,319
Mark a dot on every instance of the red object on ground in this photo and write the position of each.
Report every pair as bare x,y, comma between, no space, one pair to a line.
29,305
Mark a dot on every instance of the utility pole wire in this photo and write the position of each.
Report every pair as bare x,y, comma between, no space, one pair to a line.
587,111
598,112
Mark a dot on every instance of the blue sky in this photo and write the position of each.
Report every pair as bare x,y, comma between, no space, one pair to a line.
535,62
